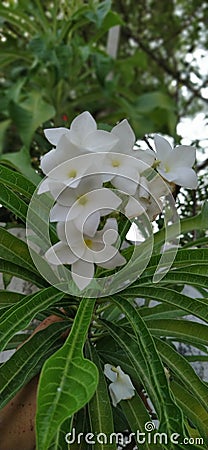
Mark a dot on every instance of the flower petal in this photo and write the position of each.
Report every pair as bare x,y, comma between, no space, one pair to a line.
60,228
47,161
126,184
64,151
163,148
56,188
109,373
100,141
182,156
146,156
116,261
59,213
54,134
183,176
121,391
105,198
91,224
81,126
126,137
82,273
134,208
43,186
59,254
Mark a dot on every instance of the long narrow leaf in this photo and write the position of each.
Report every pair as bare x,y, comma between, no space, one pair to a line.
169,413
15,250
27,361
100,412
20,315
197,307
192,408
68,381
179,365
184,329
21,272
16,181
13,202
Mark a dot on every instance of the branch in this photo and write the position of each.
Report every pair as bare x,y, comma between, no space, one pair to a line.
202,165
170,71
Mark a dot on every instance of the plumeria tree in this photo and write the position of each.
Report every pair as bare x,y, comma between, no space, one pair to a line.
106,248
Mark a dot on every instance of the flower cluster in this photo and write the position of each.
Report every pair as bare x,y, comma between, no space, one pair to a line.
87,172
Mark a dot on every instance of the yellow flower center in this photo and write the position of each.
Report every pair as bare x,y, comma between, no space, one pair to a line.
82,200
88,242
115,163
72,173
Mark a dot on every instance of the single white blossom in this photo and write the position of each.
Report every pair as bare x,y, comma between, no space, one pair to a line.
175,164
121,387
69,173
123,165
82,251
86,207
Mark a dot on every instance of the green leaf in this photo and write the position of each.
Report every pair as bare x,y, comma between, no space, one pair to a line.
100,412
147,102
197,307
17,182
19,316
182,276
17,18
68,380
6,279
81,424
169,413
3,127
97,15
12,202
30,114
15,250
137,416
192,409
8,298
192,332
27,361
179,365
161,311
59,441
24,274
21,161
198,222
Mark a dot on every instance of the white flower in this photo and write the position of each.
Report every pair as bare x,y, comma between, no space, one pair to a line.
121,387
86,207
123,165
147,198
175,164
82,251
67,173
